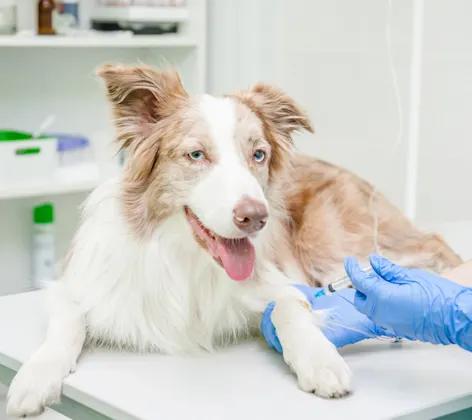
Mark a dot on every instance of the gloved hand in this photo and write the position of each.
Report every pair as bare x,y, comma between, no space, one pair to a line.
344,324
413,303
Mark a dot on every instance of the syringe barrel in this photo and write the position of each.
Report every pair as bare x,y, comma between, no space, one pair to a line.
343,282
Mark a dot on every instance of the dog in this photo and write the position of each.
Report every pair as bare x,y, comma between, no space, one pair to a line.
214,216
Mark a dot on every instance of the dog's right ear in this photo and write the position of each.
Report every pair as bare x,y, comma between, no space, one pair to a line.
140,97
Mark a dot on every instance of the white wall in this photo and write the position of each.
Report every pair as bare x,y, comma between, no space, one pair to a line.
335,61
446,129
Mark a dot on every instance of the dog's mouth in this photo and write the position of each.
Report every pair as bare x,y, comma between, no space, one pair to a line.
237,256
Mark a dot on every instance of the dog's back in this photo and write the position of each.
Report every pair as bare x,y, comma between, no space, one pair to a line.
331,216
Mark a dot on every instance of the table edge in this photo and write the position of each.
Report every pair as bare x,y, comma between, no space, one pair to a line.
75,404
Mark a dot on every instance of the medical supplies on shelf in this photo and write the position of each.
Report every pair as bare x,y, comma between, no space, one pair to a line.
44,255
143,17
27,159
23,158
72,149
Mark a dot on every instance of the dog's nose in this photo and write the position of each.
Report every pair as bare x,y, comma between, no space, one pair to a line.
250,215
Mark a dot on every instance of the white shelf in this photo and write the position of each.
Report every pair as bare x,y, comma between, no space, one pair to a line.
140,14
99,41
47,188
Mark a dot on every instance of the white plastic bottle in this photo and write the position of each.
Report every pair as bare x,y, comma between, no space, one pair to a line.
44,256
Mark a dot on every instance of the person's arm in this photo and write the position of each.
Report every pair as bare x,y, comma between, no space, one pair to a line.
461,274
348,325
412,303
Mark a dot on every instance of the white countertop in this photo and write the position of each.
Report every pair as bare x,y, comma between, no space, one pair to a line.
245,381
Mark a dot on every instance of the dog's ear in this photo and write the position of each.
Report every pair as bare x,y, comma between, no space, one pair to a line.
276,108
140,97
280,116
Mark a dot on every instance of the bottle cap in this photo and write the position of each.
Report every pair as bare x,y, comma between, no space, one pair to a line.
44,213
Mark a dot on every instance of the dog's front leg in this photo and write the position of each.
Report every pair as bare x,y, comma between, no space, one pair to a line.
315,361
38,383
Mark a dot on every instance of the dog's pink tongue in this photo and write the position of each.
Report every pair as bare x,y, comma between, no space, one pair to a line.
238,257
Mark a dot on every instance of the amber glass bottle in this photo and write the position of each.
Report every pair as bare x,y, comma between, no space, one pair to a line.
45,9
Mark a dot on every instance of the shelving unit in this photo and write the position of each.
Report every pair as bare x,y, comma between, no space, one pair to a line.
55,75
100,41
49,188
142,14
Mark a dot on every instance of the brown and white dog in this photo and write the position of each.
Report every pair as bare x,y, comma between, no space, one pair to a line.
214,217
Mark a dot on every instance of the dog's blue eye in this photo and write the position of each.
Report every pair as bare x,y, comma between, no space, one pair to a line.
259,156
197,155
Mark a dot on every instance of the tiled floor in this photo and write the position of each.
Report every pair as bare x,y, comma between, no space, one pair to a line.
48,414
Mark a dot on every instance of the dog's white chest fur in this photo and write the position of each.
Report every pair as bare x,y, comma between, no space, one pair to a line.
161,294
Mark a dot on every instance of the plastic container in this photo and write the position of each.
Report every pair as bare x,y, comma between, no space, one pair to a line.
24,159
44,254
72,149
67,16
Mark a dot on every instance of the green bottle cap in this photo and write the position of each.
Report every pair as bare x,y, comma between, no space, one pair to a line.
44,213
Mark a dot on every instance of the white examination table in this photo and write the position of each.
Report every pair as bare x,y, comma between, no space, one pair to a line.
249,381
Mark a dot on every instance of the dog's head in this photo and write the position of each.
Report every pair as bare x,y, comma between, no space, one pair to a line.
215,159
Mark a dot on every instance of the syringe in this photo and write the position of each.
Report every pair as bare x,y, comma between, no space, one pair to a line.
339,284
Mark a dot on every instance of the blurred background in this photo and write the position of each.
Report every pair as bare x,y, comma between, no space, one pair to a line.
387,83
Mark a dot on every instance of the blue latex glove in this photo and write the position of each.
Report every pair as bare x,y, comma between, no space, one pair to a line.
413,303
343,313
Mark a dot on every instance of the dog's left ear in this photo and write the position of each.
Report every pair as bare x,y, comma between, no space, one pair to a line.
272,105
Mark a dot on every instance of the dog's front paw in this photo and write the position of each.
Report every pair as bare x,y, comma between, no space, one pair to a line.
323,372
327,380
35,386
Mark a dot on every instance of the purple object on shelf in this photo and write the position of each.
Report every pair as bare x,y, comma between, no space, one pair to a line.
72,149
67,142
